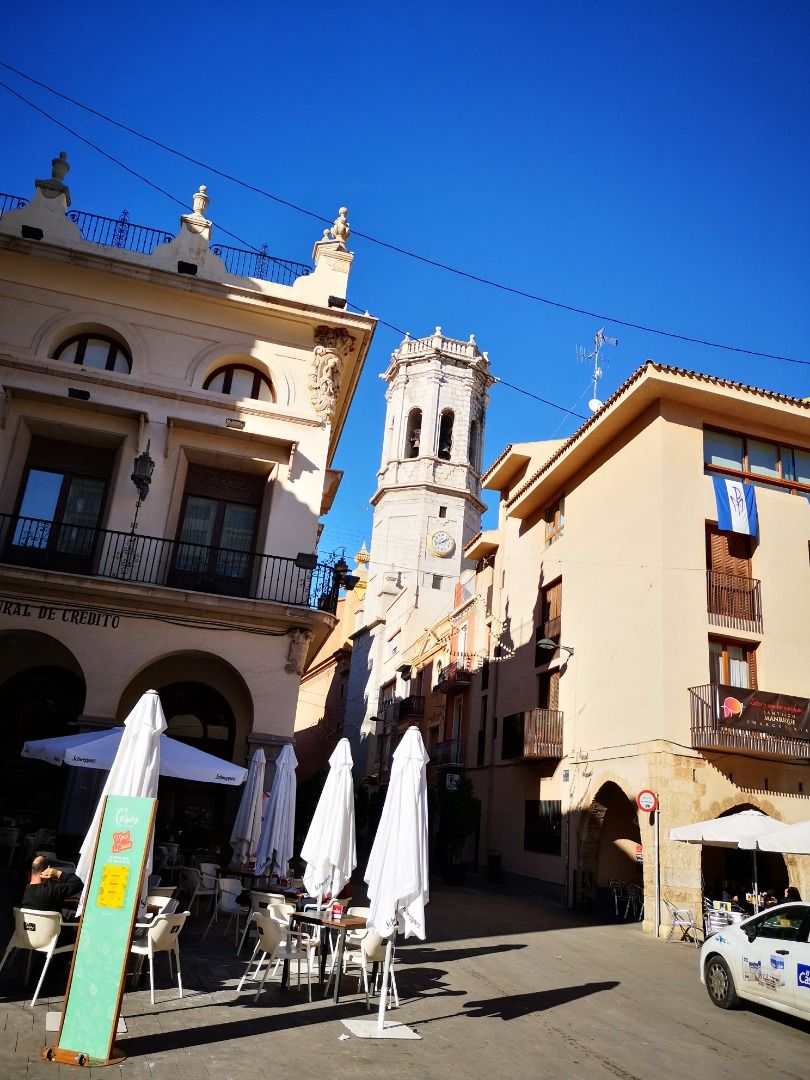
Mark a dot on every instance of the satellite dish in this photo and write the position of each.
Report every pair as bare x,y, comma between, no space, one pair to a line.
594,404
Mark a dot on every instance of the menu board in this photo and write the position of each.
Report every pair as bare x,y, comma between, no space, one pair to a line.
93,997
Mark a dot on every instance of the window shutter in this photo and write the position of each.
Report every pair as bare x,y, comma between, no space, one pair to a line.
76,458
752,669
554,691
236,487
729,553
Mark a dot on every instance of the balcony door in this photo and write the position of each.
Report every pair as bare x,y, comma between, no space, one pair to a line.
60,505
731,589
216,537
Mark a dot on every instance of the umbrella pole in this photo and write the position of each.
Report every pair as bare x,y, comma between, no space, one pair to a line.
756,887
389,948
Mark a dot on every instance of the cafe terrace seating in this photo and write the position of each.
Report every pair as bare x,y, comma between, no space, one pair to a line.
36,931
684,921
163,935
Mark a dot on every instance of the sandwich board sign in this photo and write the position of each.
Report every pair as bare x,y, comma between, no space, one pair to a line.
97,973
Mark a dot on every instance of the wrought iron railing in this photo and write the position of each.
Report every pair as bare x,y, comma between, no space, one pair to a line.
709,732
122,233
414,705
734,601
447,753
151,560
456,676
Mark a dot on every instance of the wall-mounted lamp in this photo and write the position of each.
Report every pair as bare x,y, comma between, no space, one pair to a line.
552,646
349,581
232,422
405,670
306,560
142,470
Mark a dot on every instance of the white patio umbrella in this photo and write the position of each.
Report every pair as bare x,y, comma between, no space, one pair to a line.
397,872
733,831
247,827
329,849
99,749
787,839
275,848
134,772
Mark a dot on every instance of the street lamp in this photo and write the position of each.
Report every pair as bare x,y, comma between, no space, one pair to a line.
551,646
142,469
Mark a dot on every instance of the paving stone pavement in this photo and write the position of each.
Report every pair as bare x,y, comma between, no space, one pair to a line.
506,985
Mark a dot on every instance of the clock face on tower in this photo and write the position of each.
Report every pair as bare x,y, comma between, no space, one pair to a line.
442,543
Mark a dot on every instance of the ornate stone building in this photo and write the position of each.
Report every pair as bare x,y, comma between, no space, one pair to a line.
226,376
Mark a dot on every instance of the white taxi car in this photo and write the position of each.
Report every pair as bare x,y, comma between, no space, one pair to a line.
765,959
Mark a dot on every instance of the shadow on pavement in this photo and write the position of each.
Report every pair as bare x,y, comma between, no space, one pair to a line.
421,955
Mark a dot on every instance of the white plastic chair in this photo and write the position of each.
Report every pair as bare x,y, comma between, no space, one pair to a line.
369,949
162,890
189,882
166,905
683,920
209,875
280,944
228,891
162,936
36,931
260,901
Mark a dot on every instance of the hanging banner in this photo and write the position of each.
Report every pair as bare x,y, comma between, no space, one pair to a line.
96,984
759,710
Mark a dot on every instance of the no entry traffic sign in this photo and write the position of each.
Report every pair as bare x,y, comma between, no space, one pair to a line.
647,801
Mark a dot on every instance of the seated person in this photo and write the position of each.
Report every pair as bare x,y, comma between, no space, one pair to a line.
792,894
49,887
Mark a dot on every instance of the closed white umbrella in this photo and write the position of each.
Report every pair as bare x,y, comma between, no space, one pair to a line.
329,849
275,847
397,872
99,749
134,772
248,825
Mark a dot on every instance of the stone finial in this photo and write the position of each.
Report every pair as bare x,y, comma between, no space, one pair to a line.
60,167
362,557
340,230
200,200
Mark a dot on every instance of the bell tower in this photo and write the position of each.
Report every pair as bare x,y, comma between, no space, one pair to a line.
427,505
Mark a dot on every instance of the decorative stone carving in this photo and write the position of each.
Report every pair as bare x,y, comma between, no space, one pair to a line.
340,230
332,346
297,655
53,187
196,222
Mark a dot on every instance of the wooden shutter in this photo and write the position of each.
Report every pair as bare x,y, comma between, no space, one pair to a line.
728,553
74,458
236,487
752,668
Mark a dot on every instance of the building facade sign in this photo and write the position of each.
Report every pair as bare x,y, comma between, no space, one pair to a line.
760,710
42,612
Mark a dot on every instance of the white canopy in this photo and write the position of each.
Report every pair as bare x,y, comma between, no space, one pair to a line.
397,872
329,849
788,839
731,831
134,772
248,825
279,817
98,750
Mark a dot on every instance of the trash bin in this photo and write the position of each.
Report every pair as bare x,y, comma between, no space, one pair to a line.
494,866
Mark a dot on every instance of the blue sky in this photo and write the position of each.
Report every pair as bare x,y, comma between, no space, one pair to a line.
645,160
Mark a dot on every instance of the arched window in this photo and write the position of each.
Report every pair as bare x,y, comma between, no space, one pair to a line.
413,433
474,451
95,351
239,380
446,435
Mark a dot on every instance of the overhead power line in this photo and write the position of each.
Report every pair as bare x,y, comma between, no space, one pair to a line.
397,248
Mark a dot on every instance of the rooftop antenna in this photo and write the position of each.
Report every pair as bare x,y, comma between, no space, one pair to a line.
600,339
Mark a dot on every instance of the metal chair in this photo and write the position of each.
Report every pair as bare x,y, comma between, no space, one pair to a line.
162,936
683,920
619,890
36,931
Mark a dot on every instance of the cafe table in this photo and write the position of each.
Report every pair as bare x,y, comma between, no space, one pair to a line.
324,921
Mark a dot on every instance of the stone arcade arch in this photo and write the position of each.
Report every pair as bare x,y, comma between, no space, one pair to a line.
608,835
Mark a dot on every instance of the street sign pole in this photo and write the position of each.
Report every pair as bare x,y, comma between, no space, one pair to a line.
657,870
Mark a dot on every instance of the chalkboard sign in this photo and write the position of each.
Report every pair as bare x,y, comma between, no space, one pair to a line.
96,985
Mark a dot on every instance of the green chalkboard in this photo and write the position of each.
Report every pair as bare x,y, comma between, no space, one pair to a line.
93,997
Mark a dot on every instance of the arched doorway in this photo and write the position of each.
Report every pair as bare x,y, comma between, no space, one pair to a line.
42,692
730,869
609,841
207,705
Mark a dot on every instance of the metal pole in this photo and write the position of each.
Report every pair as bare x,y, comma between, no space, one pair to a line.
657,868
389,948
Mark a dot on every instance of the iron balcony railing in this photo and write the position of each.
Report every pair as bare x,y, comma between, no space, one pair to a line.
734,601
447,753
712,730
532,735
414,705
175,564
122,233
456,676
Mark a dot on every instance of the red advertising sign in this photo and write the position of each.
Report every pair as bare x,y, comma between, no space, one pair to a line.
760,710
647,801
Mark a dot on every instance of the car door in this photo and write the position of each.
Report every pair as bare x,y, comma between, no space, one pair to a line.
769,962
799,974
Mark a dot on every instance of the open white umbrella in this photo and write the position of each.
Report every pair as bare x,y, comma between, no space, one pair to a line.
787,839
248,825
275,847
329,849
99,749
397,872
134,772
732,831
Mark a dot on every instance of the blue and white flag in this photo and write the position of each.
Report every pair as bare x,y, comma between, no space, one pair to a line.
736,506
